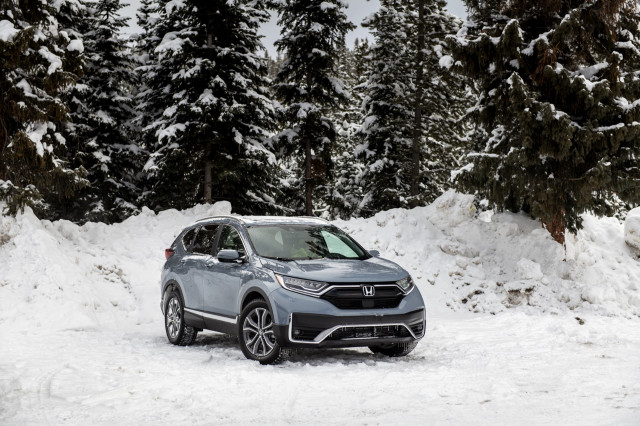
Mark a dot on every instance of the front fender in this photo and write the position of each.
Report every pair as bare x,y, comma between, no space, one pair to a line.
262,284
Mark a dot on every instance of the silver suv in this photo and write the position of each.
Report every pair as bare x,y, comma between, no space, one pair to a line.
281,283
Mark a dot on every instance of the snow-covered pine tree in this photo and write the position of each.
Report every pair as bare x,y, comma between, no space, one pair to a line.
413,107
208,112
37,59
387,129
273,65
344,192
145,19
100,135
559,106
149,103
445,96
313,32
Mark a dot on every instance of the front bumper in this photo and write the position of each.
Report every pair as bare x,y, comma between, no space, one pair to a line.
305,321
306,330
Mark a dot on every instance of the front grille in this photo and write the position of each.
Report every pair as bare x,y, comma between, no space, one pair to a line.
386,296
369,332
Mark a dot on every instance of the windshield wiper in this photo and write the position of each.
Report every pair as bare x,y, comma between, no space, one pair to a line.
281,259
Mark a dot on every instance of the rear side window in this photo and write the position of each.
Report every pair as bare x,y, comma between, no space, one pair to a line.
188,239
204,240
230,240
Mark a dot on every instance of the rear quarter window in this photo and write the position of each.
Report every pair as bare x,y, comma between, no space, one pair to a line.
187,240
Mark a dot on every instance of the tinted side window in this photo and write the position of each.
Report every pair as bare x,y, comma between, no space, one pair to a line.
204,240
230,240
188,239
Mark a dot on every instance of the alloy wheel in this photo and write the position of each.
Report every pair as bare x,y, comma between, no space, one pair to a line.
173,318
257,332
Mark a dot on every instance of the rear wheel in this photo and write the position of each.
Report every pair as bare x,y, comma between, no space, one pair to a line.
256,334
177,331
394,349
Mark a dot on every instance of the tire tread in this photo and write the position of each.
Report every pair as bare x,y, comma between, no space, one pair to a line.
395,350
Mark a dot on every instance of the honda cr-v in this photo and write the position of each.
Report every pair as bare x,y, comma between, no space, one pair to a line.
281,283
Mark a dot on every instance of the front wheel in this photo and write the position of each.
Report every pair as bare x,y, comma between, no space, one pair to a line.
394,349
256,334
178,332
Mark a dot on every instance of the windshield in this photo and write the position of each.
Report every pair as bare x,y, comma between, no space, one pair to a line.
298,242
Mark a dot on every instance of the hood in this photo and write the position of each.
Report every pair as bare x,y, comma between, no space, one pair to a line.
374,269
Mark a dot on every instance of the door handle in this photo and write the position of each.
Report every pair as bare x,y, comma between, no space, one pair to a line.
183,261
209,263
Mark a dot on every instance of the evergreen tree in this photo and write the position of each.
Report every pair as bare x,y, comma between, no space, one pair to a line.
148,102
37,59
387,129
101,136
207,111
413,106
557,131
313,33
443,102
273,65
344,192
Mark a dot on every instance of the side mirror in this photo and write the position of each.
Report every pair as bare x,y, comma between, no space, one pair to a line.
374,253
228,256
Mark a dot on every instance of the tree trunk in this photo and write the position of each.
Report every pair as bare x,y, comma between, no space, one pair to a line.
308,196
417,125
207,176
308,202
4,141
207,156
556,226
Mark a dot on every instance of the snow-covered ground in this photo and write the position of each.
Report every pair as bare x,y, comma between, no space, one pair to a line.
552,340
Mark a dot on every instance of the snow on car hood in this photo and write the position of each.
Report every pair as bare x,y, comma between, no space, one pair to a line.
374,269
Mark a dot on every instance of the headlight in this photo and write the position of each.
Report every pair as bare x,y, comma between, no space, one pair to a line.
406,284
312,288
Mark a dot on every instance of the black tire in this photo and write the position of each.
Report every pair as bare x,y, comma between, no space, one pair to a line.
256,334
177,331
394,349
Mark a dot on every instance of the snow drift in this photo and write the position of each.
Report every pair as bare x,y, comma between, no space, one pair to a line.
488,262
63,276
84,338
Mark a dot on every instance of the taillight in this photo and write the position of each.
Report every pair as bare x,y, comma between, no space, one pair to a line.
168,253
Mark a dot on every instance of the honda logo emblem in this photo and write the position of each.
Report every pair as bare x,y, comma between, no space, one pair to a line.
368,290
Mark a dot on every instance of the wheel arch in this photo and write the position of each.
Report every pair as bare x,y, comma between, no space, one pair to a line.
171,285
254,293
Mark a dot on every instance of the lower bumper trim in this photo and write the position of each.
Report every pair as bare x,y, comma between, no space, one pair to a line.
341,331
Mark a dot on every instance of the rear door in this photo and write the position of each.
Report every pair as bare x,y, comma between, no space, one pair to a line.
201,254
223,279
184,269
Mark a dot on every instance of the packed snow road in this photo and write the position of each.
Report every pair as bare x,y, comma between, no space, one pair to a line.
506,369
82,341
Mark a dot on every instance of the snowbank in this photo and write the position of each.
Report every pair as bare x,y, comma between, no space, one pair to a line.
83,338
63,276
493,262
632,230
